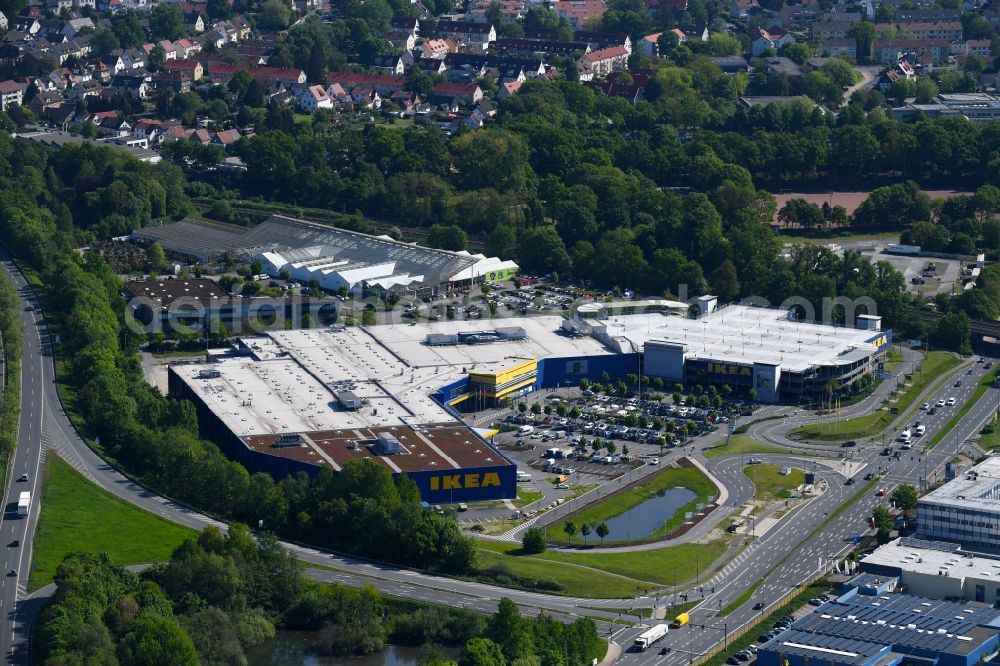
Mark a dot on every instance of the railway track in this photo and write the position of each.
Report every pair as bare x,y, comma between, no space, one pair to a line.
978,327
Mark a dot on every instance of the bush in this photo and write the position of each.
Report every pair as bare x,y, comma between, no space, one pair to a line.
533,541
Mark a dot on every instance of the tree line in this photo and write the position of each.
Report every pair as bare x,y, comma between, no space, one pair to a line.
219,595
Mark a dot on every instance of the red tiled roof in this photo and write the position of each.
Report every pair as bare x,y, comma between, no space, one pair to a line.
365,79
604,54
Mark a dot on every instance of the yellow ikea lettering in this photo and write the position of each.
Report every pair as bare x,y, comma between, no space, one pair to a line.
457,482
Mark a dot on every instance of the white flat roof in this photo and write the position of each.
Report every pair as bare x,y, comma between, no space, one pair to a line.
280,396
743,334
978,488
542,340
907,555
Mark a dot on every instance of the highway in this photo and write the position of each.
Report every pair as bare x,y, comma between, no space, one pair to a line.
796,543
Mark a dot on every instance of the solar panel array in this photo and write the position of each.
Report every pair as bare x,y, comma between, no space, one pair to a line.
864,625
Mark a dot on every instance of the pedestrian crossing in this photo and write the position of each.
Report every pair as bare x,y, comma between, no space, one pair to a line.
511,535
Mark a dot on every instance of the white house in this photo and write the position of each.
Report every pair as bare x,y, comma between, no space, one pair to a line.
314,97
773,38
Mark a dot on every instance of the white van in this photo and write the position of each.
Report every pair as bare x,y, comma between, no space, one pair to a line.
921,429
525,430
523,477
905,435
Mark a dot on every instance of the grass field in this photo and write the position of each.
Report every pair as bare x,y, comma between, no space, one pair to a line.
984,384
933,367
770,484
608,575
77,515
670,477
990,441
744,444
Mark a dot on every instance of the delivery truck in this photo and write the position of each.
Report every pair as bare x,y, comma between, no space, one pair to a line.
24,503
650,636
681,620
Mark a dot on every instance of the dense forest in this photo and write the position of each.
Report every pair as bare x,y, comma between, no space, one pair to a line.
219,595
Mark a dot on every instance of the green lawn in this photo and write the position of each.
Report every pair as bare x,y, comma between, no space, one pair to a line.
651,486
990,441
740,600
77,515
606,575
770,484
933,367
985,383
744,444
526,497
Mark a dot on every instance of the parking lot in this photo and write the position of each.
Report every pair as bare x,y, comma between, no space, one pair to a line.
587,439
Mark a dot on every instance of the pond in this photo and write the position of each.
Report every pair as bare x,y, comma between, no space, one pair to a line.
294,648
645,518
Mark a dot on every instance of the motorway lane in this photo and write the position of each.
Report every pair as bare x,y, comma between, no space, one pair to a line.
25,460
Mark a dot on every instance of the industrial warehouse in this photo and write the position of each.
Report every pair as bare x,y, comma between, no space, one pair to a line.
336,258
299,400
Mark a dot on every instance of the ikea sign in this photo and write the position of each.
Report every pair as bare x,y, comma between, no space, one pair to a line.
466,485
882,340
729,369
463,481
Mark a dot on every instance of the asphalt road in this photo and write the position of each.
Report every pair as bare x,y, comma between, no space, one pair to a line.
795,543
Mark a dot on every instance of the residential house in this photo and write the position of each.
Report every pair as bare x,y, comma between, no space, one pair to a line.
951,30
366,98
46,100
826,30
740,9
911,15
406,24
964,47
193,68
26,24
477,64
186,48
176,80
480,11
314,97
477,36
463,93
11,94
839,47
384,84
599,64
731,64
786,67
437,49
74,26
242,28
85,89
130,84
401,41
649,45
431,66
773,38
539,46
226,138
603,40
269,77
900,71
889,51
148,128
406,100
507,89
195,22
169,50
114,63
630,91
3,21
579,13
339,96
804,13
202,136
134,59
390,64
